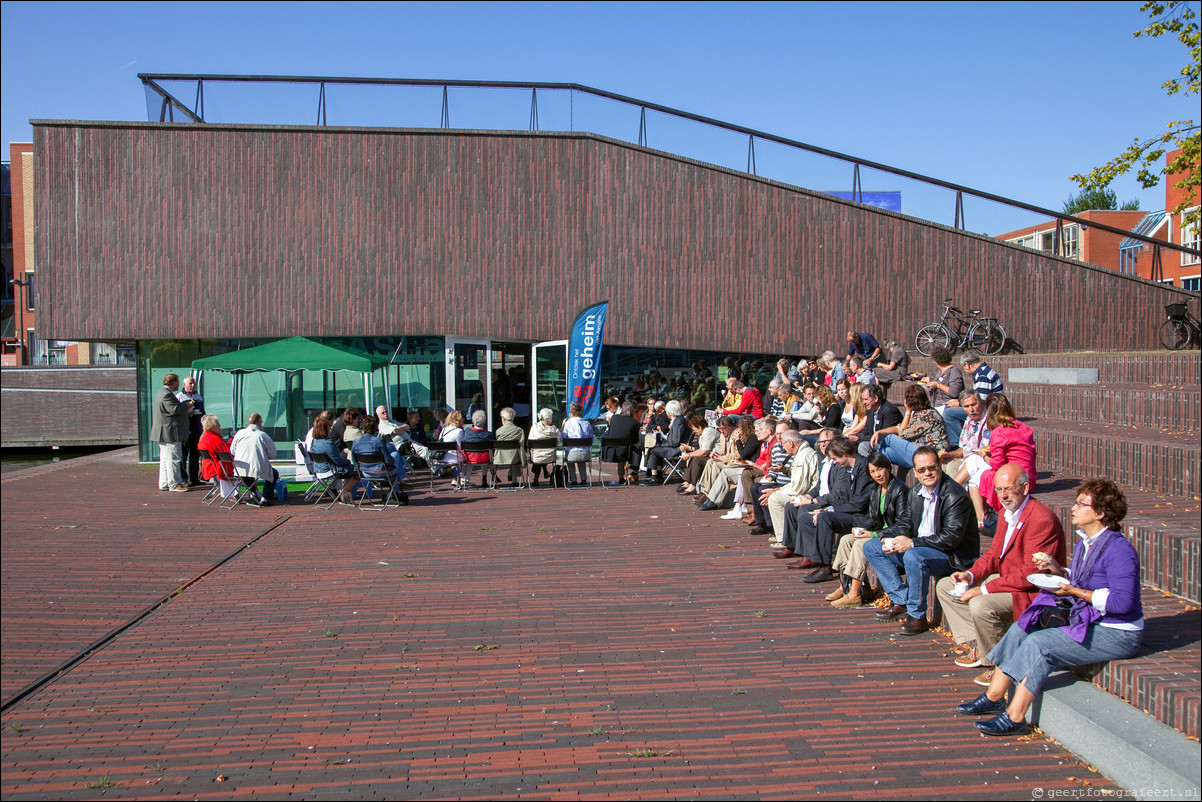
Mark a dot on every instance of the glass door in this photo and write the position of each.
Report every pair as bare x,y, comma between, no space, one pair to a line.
551,378
469,377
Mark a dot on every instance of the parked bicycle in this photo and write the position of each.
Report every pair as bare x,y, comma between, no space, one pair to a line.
958,330
1181,330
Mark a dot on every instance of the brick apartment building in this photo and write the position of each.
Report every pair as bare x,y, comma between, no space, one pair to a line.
1124,254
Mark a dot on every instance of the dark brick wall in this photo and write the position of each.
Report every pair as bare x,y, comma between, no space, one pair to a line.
175,231
68,406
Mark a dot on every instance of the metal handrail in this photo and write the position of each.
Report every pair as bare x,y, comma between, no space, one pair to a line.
151,81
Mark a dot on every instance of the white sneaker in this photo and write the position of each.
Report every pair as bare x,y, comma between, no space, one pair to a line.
734,515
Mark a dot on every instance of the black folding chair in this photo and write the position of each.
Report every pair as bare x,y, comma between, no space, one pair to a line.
675,468
568,443
376,470
325,481
435,451
214,488
245,487
623,451
485,447
504,446
546,443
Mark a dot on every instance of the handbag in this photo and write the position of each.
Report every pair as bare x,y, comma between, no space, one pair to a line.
1054,616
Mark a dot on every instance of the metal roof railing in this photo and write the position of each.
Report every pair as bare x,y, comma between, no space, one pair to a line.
574,108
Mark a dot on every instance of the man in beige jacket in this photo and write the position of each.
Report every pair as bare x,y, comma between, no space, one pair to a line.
802,476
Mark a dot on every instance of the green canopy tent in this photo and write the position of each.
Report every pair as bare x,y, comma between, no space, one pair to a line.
293,354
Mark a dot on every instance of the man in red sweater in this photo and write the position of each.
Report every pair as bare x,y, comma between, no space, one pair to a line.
750,401
998,590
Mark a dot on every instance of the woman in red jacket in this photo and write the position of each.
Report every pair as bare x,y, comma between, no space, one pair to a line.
212,444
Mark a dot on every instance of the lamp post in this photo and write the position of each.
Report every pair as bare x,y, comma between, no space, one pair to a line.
20,303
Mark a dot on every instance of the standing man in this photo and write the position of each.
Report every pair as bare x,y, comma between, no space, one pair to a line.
934,536
169,426
190,458
253,451
865,345
998,590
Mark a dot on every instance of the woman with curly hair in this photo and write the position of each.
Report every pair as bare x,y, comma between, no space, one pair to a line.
1089,613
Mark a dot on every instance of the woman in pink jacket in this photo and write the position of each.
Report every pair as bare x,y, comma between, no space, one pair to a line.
1010,440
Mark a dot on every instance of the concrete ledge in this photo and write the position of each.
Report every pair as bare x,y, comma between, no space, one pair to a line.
1148,758
1063,376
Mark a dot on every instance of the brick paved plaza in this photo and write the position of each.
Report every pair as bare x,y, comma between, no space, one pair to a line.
571,644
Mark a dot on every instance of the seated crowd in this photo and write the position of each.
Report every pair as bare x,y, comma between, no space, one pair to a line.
815,456
817,464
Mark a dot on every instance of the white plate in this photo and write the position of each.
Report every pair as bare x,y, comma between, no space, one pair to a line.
1046,581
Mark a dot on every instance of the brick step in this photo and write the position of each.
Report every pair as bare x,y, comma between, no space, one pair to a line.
1163,408
1164,368
1164,678
1137,458
1166,531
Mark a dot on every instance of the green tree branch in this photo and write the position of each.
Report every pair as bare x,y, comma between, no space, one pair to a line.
1146,156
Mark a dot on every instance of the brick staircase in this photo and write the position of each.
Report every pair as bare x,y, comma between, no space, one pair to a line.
1140,427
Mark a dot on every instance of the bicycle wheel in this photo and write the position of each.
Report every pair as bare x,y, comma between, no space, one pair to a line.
987,337
1174,334
932,336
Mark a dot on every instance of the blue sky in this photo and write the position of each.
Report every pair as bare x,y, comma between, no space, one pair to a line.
1010,98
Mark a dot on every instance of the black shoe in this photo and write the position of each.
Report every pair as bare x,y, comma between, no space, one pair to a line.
760,529
1002,725
823,574
707,505
982,706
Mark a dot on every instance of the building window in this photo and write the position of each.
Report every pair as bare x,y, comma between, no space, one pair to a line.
29,290
1046,240
1189,238
1191,283
1068,247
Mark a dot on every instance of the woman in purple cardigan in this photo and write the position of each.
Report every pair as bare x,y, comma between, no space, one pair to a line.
1105,620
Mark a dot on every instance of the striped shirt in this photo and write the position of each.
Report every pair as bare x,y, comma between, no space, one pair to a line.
986,382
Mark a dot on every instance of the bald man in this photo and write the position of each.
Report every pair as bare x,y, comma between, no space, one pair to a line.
998,591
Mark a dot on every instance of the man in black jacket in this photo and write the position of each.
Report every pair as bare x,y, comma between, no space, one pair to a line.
812,528
934,536
883,418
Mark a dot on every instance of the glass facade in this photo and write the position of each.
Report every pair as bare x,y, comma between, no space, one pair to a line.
416,379
288,400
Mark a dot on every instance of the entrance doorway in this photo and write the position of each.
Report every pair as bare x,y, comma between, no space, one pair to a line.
492,375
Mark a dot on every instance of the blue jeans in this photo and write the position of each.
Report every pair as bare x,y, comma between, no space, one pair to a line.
919,563
953,422
1030,657
898,450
